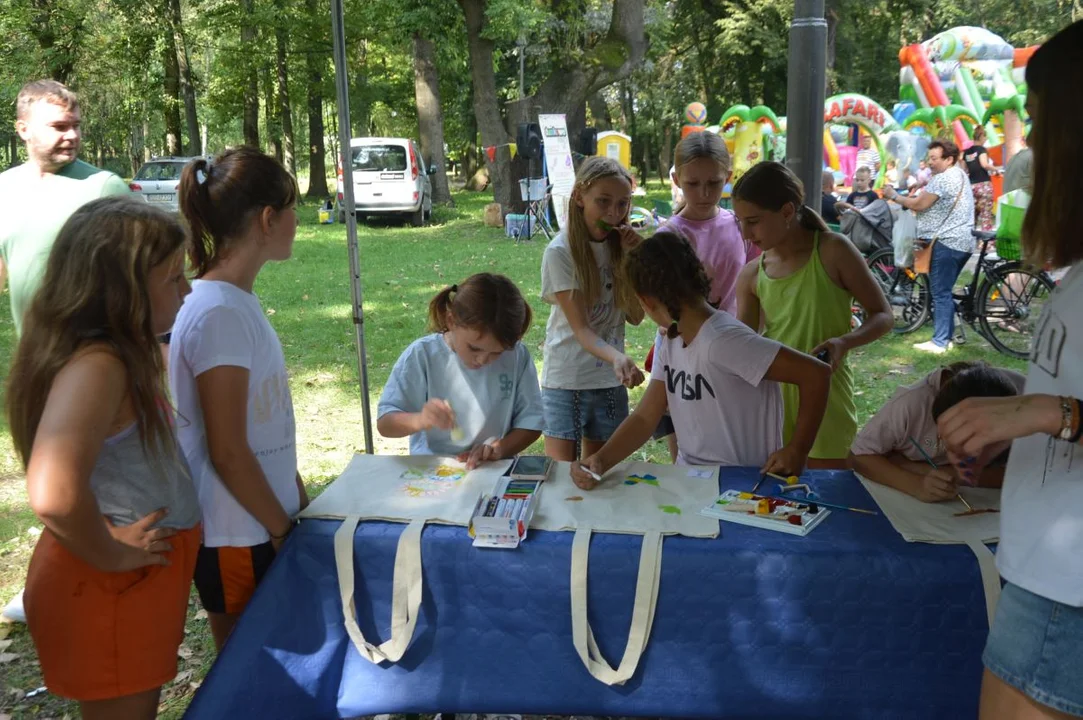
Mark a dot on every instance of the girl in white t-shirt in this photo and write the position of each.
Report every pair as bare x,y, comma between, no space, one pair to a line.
718,377
1035,647
585,374
228,376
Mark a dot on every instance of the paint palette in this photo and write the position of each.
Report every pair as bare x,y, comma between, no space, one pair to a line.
789,516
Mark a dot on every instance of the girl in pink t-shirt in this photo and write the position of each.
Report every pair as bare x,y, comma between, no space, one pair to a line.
702,169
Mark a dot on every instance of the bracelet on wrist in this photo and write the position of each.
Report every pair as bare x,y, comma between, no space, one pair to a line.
1077,421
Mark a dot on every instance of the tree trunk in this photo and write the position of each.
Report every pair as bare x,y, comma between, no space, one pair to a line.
665,156
146,137
249,51
486,103
314,61
188,91
430,118
628,111
270,108
171,98
470,163
832,14
135,151
284,113
360,107
599,112
567,88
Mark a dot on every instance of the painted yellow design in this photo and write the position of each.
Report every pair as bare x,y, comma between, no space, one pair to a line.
431,481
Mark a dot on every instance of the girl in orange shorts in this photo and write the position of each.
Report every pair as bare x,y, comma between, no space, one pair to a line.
108,585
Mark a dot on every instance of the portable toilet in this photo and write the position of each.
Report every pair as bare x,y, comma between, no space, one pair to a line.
616,145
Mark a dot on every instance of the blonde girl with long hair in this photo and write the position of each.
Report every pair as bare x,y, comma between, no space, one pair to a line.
586,374
701,170
107,589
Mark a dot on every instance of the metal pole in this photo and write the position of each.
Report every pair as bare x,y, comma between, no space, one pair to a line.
805,96
342,89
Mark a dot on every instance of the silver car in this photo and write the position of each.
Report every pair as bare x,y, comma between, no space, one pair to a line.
157,181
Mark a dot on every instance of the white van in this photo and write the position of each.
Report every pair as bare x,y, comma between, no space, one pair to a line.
389,178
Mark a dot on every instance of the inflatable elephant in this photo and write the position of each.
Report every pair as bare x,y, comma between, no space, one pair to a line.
907,149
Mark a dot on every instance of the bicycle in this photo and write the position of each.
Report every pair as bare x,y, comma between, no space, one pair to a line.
1002,301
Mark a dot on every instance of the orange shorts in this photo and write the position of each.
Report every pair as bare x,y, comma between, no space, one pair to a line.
102,635
227,576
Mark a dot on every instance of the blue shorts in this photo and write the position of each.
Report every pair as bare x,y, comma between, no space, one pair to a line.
1036,646
584,414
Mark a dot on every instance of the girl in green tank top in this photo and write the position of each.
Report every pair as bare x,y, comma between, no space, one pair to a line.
800,291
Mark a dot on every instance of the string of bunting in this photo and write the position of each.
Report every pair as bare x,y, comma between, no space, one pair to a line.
490,152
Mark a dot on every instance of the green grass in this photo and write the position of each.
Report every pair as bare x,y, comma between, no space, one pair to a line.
308,301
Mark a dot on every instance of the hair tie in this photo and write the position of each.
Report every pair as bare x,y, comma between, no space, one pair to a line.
453,289
201,176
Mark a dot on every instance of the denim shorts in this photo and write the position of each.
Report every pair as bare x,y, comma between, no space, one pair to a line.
584,414
1036,646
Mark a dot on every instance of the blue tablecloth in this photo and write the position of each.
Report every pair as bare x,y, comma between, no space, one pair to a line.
848,622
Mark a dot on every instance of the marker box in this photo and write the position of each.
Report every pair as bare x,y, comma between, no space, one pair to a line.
502,518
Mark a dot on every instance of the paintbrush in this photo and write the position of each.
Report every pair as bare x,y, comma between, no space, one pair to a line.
799,501
969,510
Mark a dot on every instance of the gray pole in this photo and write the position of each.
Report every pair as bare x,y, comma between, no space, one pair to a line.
342,89
805,96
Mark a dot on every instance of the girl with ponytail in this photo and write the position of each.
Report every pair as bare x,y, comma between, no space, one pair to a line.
228,376
804,286
718,378
470,389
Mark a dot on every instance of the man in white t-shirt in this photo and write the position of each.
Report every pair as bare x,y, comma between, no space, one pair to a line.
868,156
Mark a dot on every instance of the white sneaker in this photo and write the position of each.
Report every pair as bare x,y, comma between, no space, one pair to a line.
931,347
14,611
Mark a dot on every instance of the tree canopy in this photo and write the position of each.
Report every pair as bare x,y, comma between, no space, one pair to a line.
163,77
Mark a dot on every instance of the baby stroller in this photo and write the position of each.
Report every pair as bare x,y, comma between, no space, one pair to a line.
869,228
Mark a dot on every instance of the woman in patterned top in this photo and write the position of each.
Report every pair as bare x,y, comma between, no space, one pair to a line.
945,213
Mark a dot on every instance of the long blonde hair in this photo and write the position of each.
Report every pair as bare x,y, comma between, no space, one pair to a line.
698,146
95,291
1055,216
592,170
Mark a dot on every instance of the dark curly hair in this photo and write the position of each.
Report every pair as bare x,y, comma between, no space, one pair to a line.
666,267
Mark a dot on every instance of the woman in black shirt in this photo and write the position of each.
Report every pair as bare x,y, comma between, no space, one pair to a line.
980,167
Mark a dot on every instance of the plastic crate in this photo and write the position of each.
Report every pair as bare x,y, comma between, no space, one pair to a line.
514,225
533,189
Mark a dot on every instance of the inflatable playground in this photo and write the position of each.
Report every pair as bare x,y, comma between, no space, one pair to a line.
949,85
